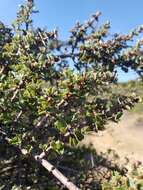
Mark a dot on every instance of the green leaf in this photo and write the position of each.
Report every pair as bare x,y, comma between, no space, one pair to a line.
61,125
58,146
118,116
16,140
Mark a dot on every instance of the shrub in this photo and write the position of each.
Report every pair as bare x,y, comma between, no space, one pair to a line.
45,103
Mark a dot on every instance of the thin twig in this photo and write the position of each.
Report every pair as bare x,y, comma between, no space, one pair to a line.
2,70
40,123
70,55
67,169
18,116
42,39
16,91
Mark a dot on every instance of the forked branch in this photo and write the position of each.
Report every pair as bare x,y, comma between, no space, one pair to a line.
48,166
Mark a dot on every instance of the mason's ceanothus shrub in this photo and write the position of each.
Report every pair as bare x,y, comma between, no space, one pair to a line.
53,91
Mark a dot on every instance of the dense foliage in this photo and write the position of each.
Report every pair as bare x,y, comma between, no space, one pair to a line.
53,91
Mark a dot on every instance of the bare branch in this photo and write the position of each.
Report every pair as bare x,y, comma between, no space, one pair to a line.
40,123
48,166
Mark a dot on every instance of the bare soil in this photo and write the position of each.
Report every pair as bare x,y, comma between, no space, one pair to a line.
124,137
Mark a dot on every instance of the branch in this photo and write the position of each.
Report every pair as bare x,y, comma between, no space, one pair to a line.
44,119
70,55
48,166
18,116
17,90
64,180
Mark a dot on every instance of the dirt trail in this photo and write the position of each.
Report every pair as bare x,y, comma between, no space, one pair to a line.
125,137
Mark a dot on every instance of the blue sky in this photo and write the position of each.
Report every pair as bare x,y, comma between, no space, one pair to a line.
124,15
